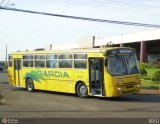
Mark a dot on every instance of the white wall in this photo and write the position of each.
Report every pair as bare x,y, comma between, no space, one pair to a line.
87,42
127,38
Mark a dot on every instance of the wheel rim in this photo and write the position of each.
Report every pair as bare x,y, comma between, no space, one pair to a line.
83,89
29,85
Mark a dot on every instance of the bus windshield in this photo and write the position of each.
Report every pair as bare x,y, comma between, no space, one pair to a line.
122,65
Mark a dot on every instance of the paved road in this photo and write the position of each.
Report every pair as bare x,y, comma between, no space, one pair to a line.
21,103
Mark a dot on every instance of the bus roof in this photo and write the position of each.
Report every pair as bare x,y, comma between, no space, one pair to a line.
76,50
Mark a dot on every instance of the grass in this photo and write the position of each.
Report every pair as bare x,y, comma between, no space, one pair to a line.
147,82
151,71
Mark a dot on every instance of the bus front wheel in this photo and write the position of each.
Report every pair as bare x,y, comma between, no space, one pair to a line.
81,90
30,85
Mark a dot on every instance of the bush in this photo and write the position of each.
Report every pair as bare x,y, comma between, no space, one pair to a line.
156,77
147,65
143,72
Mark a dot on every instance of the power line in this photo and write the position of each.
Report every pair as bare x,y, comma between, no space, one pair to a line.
82,18
1,2
109,5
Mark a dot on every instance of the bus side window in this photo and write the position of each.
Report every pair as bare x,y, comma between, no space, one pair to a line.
28,61
80,61
51,63
65,61
80,64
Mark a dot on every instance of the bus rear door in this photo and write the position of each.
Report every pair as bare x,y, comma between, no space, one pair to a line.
17,71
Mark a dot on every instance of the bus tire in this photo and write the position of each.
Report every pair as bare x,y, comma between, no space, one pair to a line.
30,85
81,90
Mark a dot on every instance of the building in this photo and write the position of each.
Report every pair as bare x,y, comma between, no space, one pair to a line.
146,44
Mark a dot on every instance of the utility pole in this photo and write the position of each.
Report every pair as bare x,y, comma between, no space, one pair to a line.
6,58
50,47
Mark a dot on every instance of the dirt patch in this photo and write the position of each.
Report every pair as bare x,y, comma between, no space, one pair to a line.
2,100
149,91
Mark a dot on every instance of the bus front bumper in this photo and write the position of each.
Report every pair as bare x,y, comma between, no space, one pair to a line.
120,91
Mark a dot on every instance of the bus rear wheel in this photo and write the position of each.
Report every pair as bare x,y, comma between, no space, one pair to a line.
81,90
30,85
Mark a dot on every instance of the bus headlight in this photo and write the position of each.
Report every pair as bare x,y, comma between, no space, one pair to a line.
138,85
119,88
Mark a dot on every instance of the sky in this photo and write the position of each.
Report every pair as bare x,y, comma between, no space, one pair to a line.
24,31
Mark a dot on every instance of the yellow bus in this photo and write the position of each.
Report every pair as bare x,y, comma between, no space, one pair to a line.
105,72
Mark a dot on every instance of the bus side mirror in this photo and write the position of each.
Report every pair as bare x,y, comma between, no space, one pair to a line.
106,62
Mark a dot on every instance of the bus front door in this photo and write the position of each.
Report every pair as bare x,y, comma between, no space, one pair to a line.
96,76
17,68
